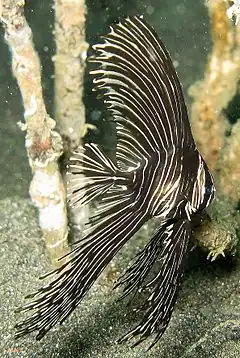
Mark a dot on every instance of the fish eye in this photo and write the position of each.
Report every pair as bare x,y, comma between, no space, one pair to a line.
208,195
208,190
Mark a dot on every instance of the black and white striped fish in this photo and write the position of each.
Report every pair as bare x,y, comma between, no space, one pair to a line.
158,172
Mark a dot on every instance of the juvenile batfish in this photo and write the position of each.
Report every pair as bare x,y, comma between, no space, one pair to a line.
157,172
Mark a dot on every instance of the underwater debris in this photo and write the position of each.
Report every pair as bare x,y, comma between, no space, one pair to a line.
217,232
158,172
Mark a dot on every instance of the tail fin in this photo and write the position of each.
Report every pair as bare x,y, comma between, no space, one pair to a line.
90,174
169,244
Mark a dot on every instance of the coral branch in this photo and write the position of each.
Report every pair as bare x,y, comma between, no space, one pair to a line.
218,233
69,70
43,144
212,95
228,168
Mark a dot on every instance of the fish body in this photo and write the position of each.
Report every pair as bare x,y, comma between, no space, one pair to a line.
157,173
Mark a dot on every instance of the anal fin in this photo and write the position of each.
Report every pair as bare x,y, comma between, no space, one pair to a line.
169,245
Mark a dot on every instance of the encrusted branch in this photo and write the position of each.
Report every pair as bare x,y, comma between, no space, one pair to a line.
212,95
228,168
43,144
69,70
218,232
70,61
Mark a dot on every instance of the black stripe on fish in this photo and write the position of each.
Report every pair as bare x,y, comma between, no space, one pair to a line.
157,172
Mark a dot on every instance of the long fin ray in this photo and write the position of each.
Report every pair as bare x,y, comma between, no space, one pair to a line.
172,248
91,174
54,302
141,89
133,278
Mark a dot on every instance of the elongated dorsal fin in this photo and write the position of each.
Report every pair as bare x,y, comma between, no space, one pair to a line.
141,91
